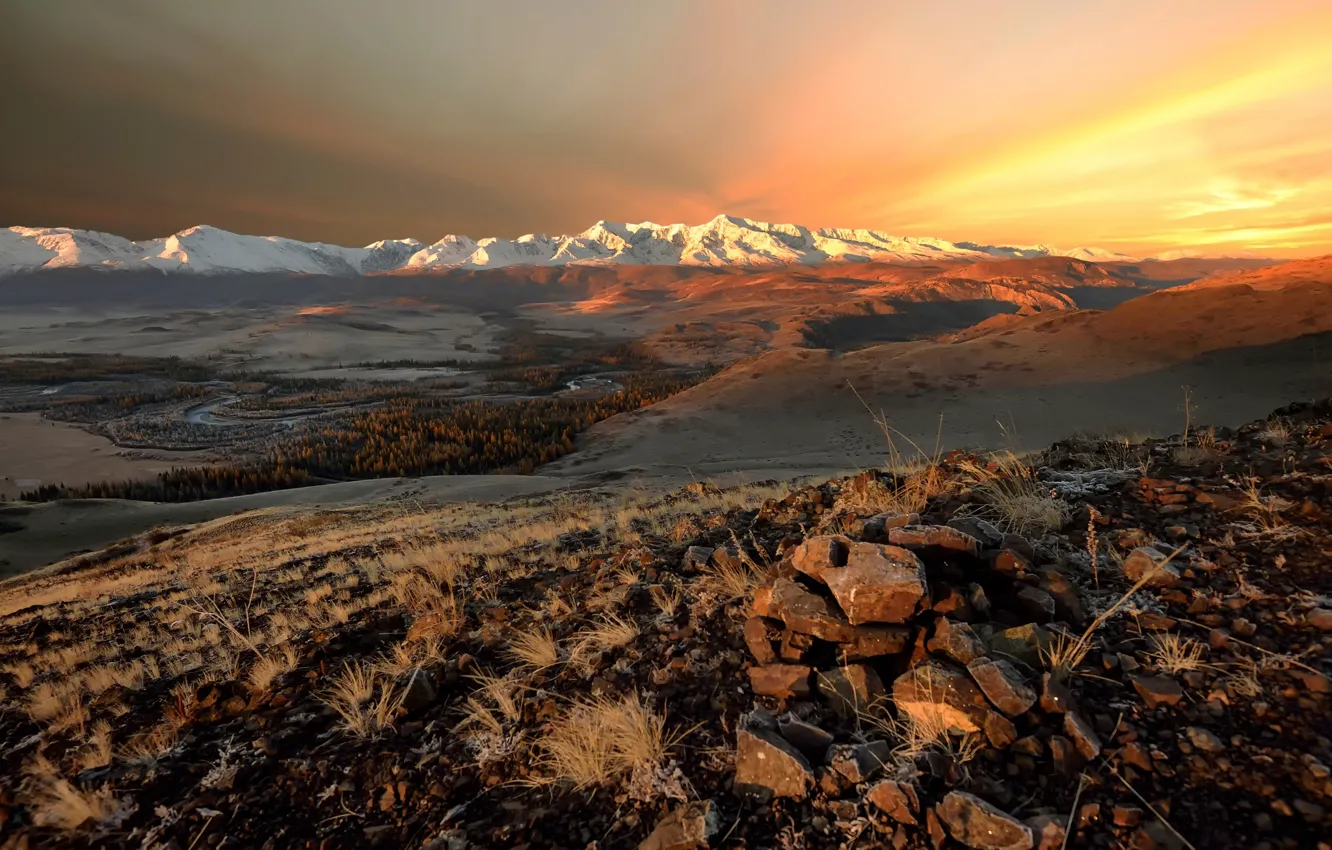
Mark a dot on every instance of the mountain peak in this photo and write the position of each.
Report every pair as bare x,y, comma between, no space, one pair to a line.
724,240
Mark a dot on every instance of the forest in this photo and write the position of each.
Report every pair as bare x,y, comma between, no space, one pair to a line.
405,437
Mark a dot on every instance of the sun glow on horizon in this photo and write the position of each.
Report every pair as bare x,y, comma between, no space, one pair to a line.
1130,125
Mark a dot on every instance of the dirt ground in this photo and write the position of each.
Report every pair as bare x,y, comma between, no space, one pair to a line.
34,451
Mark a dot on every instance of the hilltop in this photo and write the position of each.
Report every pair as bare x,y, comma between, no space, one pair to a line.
1113,643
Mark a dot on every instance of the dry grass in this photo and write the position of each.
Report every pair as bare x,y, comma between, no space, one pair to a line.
273,664
599,741
56,802
1066,653
365,703
1013,497
534,650
1275,432
1175,654
918,734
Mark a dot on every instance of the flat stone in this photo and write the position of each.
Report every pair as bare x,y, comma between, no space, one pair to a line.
781,680
879,584
851,689
766,766
957,641
898,800
1023,644
812,741
1204,740
807,612
1148,563
1157,690
759,635
873,642
933,693
1082,735
925,537
975,823
1003,685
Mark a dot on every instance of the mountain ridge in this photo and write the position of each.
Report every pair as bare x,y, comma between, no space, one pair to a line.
725,241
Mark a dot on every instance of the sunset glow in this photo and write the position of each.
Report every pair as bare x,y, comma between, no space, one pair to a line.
1139,127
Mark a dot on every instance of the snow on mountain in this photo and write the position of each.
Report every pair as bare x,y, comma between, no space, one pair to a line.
724,241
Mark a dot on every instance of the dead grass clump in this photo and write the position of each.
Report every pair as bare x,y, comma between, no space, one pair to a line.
597,742
56,802
1014,497
365,703
926,729
1275,432
274,663
1175,654
534,650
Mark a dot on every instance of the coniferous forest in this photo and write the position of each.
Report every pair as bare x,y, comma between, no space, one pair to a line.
404,437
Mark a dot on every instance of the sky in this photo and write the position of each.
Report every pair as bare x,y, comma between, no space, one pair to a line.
1134,125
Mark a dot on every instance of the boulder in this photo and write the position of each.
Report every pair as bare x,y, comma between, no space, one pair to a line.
808,613
766,766
780,680
934,537
975,823
898,800
851,689
1150,564
935,694
1003,685
957,641
879,584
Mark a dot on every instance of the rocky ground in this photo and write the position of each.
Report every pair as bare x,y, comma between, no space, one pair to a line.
1107,645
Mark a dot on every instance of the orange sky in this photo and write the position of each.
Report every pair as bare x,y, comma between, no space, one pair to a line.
1137,126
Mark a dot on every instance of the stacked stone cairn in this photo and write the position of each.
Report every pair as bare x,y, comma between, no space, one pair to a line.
940,623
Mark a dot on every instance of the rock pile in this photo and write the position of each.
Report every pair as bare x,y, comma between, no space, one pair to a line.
940,628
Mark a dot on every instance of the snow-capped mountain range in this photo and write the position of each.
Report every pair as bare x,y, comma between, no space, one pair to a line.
724,241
